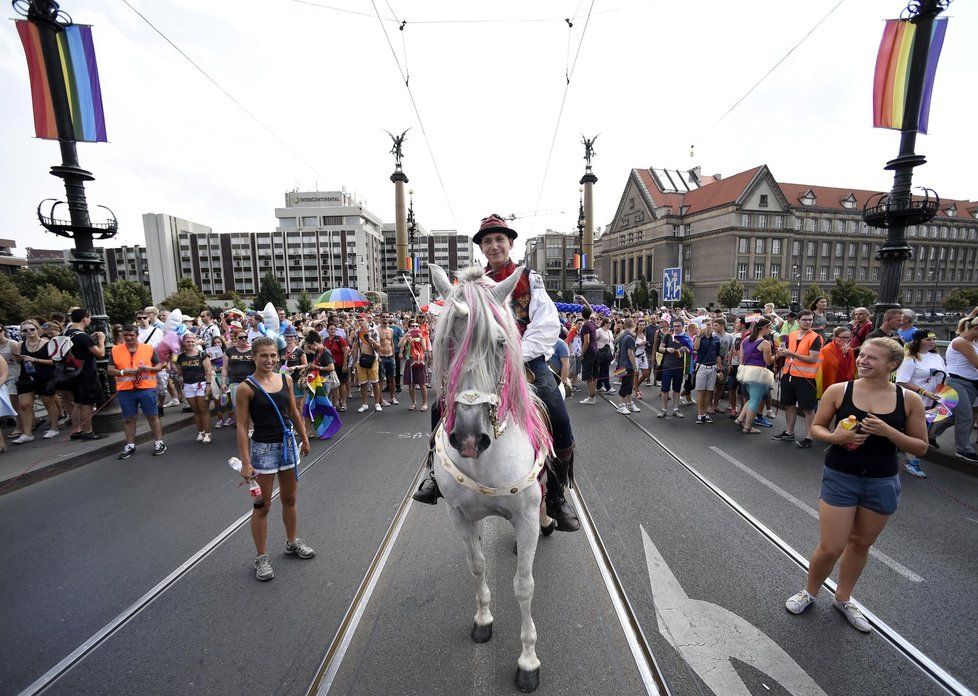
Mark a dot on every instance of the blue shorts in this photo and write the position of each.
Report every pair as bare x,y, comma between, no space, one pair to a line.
881,495
266,457
672,380
131,400
388,368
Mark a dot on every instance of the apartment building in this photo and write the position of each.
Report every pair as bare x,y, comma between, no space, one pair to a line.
551,255
446,248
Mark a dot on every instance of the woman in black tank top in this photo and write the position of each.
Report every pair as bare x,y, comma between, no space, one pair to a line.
860,481
261,457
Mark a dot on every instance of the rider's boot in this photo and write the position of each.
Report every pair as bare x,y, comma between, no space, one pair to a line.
428,492
560,474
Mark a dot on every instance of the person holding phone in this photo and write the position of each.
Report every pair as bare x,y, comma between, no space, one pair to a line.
673,352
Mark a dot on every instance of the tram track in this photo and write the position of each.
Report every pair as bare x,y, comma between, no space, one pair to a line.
112,627
910,652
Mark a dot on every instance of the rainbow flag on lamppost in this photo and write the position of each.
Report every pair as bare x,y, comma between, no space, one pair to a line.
895,71
72,54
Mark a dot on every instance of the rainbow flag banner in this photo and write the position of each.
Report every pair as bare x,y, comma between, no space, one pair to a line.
577,261
894,71
79,79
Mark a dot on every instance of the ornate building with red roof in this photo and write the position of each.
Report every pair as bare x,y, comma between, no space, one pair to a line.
749,226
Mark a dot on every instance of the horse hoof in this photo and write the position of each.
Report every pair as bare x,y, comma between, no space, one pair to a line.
481,633
516,547
549,529
527,681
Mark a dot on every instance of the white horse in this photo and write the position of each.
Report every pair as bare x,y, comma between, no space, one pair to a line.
492,442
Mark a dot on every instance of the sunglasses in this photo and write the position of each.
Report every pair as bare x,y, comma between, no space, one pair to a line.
28,329
242,337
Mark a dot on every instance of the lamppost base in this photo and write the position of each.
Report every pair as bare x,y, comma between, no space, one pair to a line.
400,297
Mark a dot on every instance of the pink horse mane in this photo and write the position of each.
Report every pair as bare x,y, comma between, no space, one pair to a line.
490,336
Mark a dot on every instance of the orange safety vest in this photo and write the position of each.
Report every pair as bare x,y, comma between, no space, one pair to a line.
124,360
797,368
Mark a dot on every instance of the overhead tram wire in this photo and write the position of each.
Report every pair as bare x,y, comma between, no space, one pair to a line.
568,75
222,89
417,114
768,73
487,20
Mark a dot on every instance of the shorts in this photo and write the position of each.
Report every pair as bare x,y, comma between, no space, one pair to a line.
798,391
371,374
234,392
85,389
387,369
12,386
194,389
732,382
642,362
589,367
38,387
415,375
266,457
627,382
881,495
344,375
706,378
672,379
132,400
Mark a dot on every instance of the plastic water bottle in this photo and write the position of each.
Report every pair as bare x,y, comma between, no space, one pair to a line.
254,490
29,367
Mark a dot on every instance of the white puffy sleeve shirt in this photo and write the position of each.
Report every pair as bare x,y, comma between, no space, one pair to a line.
544,327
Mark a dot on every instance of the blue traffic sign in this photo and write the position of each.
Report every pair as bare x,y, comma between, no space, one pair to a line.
619,291
672,280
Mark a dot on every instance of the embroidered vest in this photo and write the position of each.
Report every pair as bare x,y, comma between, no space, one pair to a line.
519,301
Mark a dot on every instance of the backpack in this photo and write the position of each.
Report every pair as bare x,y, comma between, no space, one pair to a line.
66,365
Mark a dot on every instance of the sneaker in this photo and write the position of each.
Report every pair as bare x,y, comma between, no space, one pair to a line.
219,424
128,451
769,413
589,401
171,402
362,408
913,468
676,413
200,437
207,439
378,408
633,408
393,402
662,413
967,456
622,409
90,436
48,434
22,439
707,419
229,421
783,435
263,568
798,603
159,448
853,614
187,408
699,420
64,420
300,548
385,403
804,444
763,422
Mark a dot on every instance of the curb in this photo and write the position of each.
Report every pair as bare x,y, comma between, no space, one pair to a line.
45,472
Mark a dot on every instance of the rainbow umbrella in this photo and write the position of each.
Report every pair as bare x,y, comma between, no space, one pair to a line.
341,298
943,408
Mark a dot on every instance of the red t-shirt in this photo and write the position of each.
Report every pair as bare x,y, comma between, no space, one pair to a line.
336,346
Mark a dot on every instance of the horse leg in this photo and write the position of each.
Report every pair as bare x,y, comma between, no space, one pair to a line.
527,533
482,628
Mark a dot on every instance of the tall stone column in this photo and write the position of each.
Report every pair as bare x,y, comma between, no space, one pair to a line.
593,289
399,295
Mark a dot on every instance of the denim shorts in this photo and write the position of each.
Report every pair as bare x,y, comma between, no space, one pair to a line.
131,400
266,457
881,495
388,368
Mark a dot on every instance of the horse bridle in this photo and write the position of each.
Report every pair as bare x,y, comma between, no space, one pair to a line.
472,397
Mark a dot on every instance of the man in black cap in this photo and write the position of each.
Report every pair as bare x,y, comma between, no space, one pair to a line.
539,327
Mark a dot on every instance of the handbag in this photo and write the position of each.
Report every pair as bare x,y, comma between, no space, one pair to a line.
366,361
290,448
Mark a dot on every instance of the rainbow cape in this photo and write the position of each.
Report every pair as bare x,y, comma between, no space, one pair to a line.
317,407
895,70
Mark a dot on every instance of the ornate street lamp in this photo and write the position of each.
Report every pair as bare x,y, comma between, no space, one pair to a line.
580,241
412,230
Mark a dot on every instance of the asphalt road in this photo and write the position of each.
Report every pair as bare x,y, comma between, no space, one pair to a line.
83,546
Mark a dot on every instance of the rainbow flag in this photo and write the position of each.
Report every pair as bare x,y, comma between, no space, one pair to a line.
895,69
78,77
577,261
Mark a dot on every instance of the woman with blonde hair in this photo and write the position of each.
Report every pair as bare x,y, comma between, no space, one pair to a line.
36,379
962,375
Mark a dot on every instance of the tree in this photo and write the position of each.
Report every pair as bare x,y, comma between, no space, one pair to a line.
640,296
188,298
13,305
812,293
687,298
653,297
124,298
774,291
237,301
49,298
303,302
847,294
62,277
961,299
608,298
730,294
270,290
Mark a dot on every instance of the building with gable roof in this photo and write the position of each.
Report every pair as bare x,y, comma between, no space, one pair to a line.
750,226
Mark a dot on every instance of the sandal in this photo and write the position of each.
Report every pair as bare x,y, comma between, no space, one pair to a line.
424,407
411,407
752,431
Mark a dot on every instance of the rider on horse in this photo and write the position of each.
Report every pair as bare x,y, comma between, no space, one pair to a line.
539,325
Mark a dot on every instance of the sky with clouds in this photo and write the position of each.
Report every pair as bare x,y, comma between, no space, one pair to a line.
651,77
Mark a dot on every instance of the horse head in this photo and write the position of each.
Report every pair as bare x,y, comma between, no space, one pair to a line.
478,364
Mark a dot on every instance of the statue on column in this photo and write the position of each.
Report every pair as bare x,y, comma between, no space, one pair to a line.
396,150
589,148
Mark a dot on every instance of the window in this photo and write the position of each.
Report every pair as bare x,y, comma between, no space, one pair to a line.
310,221
743,245
775,270
852,250
688,251
862,273
836,271
762,220
808,199
848,272
763,202
758,271
863,250
745,220
851,227
287,223
824,250
759,246
825,225
776,247
797,223
809,224
909,274
779,222
796,248
838,249
809,248
849,202
742,271
823,272
809,272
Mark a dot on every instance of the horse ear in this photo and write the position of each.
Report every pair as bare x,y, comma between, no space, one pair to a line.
440,280
503,289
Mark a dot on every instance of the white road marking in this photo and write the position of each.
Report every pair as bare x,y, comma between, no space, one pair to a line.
873,551
972,519
708,635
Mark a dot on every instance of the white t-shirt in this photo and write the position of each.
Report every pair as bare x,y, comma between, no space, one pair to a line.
151,335
921,372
